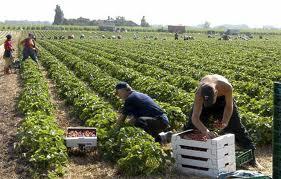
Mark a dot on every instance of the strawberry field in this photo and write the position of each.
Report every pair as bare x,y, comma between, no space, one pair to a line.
85,72
169,72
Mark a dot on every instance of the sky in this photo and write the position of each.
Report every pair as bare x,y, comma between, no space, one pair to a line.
165,12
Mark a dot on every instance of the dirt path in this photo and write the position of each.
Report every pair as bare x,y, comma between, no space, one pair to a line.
62,112
9,120
264,157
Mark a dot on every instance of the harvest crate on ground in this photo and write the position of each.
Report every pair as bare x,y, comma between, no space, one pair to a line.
206,158
81,137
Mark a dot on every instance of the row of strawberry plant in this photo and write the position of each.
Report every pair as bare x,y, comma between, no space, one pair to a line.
249,118
184,82
214,53
96,112
260,127
262,107
105,85
192,62
159,90
88,106
259,105
258,89
255,118
142,63
218,60
203,60
172,65
40,140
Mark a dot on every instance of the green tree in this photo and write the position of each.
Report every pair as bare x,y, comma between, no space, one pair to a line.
143,22
59,17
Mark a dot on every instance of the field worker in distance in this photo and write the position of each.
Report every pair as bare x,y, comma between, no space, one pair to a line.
142,111
214,98
30,49
176,36
8,54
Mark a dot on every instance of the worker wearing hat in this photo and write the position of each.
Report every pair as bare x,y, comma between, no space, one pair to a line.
8,54
214,98
142,111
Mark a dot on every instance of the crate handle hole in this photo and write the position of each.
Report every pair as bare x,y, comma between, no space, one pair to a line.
226,164
195,167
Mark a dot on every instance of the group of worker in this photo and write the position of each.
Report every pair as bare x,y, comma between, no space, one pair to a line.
213,98
29,50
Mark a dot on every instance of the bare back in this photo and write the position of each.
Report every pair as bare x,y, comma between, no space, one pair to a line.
222,87
220,83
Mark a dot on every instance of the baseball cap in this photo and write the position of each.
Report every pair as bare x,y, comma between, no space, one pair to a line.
121,85
207,92
9,36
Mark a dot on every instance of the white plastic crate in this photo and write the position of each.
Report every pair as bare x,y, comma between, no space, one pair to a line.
81,141
216,143
206,158
202,171
204,152
210,163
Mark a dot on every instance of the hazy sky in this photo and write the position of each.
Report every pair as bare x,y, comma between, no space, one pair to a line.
174,12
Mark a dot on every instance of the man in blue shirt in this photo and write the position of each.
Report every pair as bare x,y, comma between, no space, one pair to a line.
142,111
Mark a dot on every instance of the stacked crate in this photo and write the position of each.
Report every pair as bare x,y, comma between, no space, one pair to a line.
277,132
205,158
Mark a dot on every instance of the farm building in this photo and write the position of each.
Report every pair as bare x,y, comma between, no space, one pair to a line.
178,29
107,28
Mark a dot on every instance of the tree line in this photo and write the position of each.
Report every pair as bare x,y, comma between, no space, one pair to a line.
118,21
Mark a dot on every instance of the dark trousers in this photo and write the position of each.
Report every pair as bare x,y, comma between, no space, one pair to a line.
29,52
235,126
152,125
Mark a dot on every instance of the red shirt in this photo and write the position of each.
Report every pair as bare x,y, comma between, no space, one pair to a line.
8,45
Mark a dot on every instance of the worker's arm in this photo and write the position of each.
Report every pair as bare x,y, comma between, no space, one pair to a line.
121,118
34,44
197,109
228,109
22,42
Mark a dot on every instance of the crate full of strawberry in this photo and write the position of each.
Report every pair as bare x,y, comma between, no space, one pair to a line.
195,154
81,137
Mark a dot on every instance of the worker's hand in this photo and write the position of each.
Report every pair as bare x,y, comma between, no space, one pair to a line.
223,125
210,134
132,120
219,124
